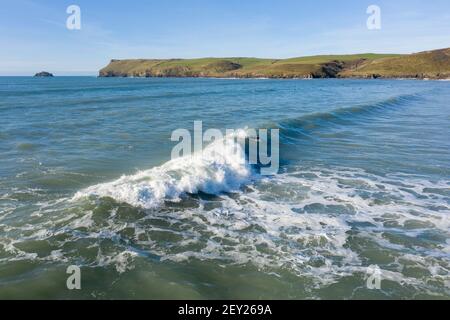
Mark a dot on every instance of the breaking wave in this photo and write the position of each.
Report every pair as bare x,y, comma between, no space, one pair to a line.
222,167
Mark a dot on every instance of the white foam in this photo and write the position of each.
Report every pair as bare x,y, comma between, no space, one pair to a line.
122,261
316,243
220,168
319,223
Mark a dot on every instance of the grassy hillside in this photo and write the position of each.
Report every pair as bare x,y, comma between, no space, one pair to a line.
432,64
429,64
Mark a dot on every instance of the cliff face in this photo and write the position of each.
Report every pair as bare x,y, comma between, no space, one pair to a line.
430,64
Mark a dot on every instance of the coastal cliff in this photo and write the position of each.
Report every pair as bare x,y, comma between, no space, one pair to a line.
430,64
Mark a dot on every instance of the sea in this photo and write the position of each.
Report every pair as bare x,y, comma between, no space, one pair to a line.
358,209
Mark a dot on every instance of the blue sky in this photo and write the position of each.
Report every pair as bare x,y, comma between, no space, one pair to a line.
34,37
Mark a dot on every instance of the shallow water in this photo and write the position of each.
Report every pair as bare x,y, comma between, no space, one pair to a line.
85,179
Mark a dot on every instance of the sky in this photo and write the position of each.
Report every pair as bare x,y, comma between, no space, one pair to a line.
34,36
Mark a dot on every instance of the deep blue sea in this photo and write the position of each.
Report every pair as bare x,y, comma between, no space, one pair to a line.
86,179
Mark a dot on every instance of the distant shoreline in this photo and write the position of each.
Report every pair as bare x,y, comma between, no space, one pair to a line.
272,78
229,78
433,65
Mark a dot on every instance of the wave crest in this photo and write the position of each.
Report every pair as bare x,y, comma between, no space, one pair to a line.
222,167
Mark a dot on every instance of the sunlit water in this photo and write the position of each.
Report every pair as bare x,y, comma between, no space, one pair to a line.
85,179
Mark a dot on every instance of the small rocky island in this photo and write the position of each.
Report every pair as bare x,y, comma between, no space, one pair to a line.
43,74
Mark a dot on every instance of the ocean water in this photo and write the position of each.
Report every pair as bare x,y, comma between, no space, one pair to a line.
86,179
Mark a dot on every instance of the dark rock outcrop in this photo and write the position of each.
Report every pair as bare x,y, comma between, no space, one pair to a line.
43,74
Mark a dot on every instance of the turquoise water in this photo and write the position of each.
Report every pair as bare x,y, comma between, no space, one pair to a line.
364,180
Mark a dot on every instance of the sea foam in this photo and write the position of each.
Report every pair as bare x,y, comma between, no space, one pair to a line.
221,167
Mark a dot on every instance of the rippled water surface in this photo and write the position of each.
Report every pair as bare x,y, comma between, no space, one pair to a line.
86,179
